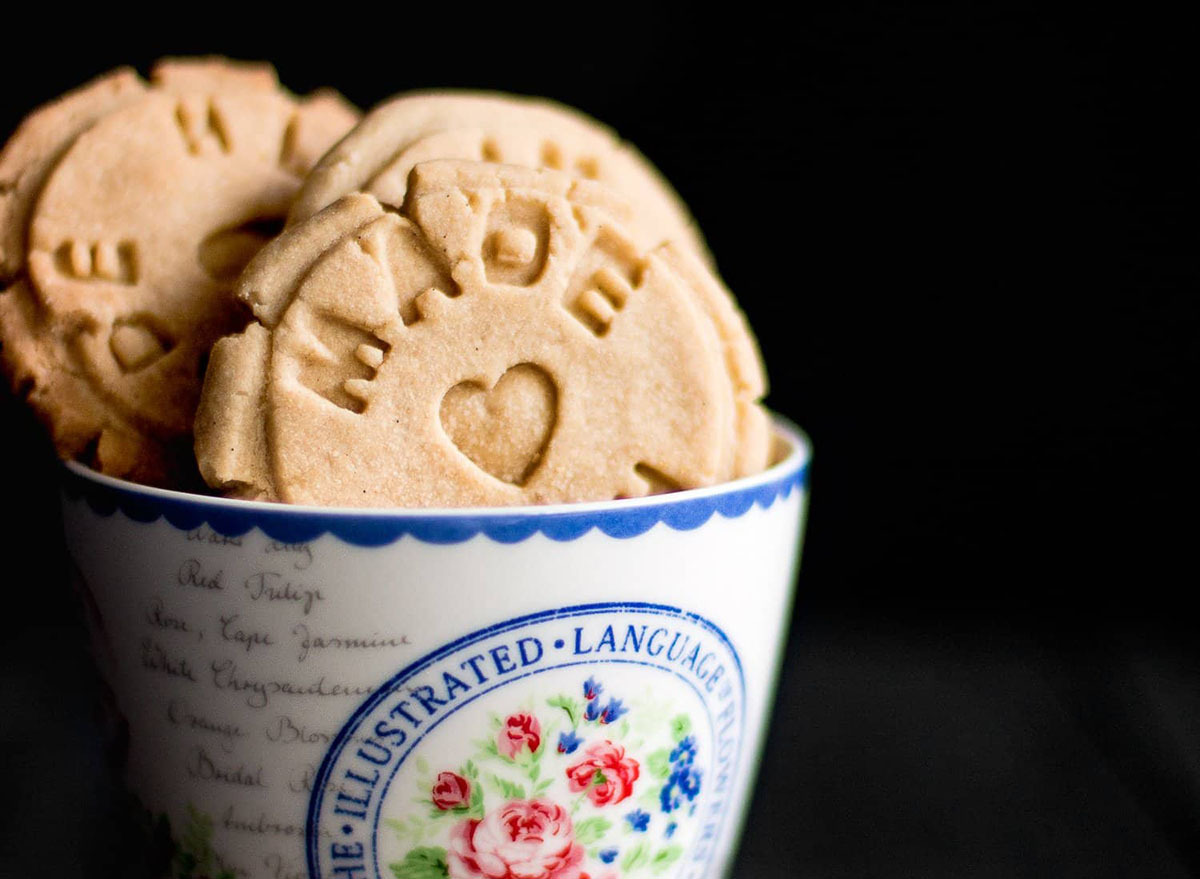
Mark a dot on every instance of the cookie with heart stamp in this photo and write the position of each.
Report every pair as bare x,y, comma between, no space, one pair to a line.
501,340
377,156
129,210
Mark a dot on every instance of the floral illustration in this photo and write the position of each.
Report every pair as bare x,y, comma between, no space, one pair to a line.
451,791
683,782
184,850
519,840
568,742
194,856
605,773
520,732
638,820
583,785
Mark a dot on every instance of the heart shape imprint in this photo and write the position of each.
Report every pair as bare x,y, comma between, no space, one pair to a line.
505,430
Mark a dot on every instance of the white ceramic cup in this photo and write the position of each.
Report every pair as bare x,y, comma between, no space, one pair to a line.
558,692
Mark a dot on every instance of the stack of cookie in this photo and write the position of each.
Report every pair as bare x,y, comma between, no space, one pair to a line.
127,210
477,300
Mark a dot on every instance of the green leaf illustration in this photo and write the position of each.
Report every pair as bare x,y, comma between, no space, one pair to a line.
571,706
636,857
591,830
651,794
427,862
194,855
681,726
507,788
410,829
665,858
658,763
423,765
197,836
470,770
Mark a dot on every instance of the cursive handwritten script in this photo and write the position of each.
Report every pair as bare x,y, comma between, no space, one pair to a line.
270,586
310,642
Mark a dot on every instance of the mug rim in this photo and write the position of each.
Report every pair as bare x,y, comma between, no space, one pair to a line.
373,526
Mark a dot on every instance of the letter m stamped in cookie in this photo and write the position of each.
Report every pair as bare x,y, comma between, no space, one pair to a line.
500,340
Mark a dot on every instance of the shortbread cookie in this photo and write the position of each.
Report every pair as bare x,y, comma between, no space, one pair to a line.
39,143
503,340
377,156
750,446
34,353
132,241
380,153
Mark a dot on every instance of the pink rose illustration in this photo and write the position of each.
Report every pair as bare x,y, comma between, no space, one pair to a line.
605,773
519,731
525,839
451,791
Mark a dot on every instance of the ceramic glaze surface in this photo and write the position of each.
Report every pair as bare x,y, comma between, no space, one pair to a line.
562,692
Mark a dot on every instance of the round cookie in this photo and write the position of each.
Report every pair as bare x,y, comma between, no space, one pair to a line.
502,341
380,153
39,143
377,156
34,355
750,430
132,244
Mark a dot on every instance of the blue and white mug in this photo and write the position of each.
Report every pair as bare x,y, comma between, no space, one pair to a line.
561,692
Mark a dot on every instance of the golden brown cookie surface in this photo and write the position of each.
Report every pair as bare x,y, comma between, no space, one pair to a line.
377,156
502,341
750,428
380,153
132,241
39,143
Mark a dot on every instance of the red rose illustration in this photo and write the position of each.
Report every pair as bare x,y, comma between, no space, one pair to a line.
525,839
519,731
451,791
605,773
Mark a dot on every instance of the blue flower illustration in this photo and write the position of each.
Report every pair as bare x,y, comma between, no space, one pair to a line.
613,711
685,751
638,820
608,855
592,689
591,712
683,783
568,742
688,780
670,799
670,831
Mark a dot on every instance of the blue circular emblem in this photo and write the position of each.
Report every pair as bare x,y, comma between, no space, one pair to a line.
597,740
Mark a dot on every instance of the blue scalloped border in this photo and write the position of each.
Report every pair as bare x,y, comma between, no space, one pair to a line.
293,525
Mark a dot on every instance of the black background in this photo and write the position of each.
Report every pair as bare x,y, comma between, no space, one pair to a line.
966,242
